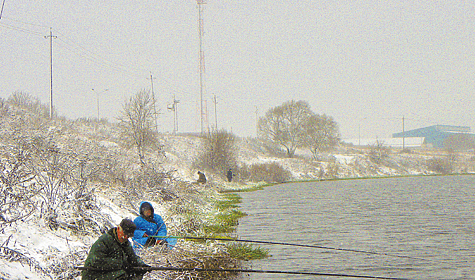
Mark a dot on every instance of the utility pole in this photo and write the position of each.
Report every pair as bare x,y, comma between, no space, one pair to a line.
174,107
257,122
97,96
359,134
175,111
403,135
50,36
202,59
154,103
215,113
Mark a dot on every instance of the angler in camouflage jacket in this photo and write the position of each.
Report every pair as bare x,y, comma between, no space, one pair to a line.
112,256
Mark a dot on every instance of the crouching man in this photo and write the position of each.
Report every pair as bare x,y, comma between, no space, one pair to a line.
112,256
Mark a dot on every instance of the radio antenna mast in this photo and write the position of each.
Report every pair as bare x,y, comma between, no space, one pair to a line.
202,59
154,103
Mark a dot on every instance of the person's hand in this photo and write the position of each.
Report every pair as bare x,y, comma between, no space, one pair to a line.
161,242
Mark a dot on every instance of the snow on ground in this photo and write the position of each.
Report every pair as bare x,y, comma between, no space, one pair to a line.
109,208
36,241
345,159
33,239
18,271
180,153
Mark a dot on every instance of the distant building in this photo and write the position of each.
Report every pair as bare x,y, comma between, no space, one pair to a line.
435,135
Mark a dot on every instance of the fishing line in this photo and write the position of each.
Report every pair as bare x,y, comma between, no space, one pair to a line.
289,244
247,271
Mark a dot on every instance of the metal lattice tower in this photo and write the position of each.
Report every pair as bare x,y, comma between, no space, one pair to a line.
202,61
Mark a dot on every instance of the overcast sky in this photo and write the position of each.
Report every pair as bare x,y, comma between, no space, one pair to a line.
365,63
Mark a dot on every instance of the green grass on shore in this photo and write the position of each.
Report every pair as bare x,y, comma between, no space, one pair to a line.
246,252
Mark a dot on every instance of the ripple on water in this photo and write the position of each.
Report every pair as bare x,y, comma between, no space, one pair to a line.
430,218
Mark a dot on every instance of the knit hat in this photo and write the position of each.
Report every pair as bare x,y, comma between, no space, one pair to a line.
128,226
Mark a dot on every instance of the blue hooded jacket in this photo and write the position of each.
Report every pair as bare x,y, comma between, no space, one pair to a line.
152,227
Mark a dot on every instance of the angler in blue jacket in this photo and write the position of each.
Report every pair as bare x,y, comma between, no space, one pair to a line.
149,225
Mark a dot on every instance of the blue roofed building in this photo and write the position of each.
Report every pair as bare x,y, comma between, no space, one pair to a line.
436,135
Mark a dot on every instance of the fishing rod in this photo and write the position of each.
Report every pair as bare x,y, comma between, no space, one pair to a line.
164,268
288,244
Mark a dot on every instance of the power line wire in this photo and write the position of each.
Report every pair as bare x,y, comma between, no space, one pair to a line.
21,29
97,59
125,68
25,22
79,50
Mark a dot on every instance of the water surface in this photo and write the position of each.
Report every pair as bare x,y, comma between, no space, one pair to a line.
430,218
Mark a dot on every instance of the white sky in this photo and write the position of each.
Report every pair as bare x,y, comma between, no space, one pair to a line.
366,63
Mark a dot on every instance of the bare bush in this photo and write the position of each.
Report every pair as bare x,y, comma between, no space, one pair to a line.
440,165
16,201
3,107
378,151
219,152
15,128
61,264
27,102
38,175
151,182
268,172
332,170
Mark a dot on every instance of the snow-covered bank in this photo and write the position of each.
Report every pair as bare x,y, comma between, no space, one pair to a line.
39,247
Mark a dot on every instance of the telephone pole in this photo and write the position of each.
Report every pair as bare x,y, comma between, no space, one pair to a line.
403,135
215,113
257,121
51,37
97,96
174,107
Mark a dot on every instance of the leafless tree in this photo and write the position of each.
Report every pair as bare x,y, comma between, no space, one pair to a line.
283,125
321,133
137,124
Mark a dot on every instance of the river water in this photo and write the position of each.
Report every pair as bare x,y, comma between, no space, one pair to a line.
429,219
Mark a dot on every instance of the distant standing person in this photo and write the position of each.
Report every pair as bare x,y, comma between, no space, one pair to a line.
112,255
201,177
229,175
